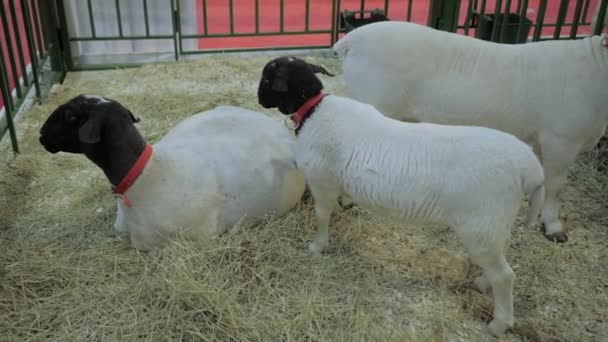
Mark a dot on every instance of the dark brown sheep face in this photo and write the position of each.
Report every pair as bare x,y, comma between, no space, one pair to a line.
287,82
84,121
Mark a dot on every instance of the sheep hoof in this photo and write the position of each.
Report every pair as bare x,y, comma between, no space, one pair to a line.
559,237
498,328
315,249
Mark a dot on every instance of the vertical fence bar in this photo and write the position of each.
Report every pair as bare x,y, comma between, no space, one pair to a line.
174,18
495,26
307,15
36,14
468,18
50,32
118,18
30,40
561,16
482,13
257,16
231,14
281,18
576,19
146,19
505,21
540,17
20,49
91,19
522,15
178,25
7,99
66,49
11,54
586,9
335,6
518,9
386,8
409,10
600,18
205,17
362,6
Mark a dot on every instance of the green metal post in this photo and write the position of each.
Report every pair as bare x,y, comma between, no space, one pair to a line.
494,36
576,20
231,15
91,19
146,19
64,36
539,20
523,9
178,25
409,10
51,35
281,14
257,16
257,27
505,21
306,15
561,17
600,18
443,15
35,12
20,49
469,17
32,47
174,18
335,7
11,54
7,99
118,18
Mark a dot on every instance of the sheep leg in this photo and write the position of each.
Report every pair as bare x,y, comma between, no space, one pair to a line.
500,278
325,202
557,157
119,224
482,284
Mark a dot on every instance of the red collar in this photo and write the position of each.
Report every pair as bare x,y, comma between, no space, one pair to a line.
304,112
132,175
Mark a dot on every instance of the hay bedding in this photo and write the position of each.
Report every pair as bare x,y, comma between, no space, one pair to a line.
66,275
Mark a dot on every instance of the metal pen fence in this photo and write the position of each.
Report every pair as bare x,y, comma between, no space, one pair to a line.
61,33
23,50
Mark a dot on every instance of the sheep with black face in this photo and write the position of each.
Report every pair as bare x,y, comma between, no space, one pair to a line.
208,172
469,178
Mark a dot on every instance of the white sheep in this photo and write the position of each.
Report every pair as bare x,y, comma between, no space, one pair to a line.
550,94
207,173
470,178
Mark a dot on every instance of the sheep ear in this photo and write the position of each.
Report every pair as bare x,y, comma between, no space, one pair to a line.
320,69
279,83
133,118
90,132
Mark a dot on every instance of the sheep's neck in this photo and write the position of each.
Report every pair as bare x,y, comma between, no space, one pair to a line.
115,160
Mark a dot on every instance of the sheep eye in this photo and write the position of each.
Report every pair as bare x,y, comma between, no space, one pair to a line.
70,118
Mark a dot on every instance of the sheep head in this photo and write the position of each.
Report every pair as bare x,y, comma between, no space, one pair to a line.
84,122
287,82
